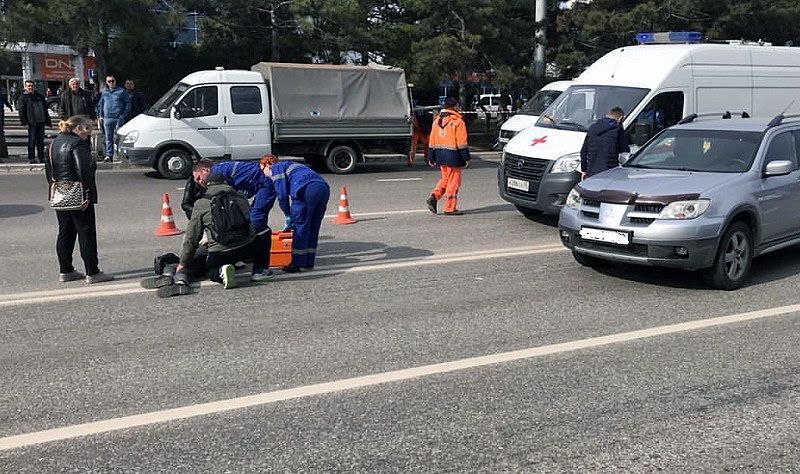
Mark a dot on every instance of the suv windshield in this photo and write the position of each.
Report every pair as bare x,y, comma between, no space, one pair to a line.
161,107
539,102
714,151
579,106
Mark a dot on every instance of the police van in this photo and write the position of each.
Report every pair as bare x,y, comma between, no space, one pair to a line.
656,83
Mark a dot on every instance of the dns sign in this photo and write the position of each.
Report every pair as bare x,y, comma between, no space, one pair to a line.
56,67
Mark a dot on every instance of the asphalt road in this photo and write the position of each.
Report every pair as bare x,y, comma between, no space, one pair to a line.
420,343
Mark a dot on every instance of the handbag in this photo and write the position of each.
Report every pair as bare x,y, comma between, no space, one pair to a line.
65,195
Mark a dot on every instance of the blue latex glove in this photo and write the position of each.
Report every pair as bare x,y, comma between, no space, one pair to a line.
288,223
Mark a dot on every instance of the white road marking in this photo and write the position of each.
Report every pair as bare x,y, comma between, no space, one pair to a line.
393,180
406,211
180,189
266,398
129,288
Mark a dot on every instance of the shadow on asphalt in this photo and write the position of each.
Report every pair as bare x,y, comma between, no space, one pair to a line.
489,209
769,268
19,210
353,253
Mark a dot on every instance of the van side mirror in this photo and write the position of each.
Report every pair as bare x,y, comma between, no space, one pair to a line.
177,112
778,168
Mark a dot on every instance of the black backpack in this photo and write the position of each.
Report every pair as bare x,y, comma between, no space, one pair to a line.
229,223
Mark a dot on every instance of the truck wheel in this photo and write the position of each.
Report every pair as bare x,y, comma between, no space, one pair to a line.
587,260
175,163
734,259
341,159
529,213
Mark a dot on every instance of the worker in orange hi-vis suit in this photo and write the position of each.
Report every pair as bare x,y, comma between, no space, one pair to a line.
448,149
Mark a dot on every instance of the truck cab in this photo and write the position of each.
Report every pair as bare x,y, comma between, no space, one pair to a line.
209,114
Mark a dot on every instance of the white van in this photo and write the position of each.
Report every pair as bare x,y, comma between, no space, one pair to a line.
528,114
655,85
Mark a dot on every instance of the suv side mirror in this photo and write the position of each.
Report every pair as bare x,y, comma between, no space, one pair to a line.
177,112
778,168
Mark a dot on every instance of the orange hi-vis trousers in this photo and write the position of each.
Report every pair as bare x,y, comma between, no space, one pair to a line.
447,187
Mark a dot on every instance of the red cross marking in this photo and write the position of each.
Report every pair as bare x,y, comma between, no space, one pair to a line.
537,141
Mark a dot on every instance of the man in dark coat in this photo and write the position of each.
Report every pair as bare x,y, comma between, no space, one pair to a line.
76,101
605,140
33,113
137,100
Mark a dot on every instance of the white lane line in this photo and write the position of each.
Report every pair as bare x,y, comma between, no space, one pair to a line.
395,180
266,398
71,294
382,213
406,211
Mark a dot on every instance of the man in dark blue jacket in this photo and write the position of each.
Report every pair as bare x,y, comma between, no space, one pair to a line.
605,140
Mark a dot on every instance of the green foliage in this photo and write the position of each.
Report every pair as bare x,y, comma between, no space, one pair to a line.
431,40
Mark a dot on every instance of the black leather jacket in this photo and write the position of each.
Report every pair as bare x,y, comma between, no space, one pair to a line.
70,160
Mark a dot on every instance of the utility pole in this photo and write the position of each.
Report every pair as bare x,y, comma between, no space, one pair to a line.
540,16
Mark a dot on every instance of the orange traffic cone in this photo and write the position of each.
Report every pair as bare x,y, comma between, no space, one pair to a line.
167,226
344,216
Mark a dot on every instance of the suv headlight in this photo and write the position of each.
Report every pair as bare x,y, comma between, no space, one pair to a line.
573,199
131,138
685,209
567,163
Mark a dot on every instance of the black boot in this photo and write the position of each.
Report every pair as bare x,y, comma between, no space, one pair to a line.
431,203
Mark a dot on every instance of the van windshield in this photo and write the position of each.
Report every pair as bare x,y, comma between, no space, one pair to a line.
579,106
162,106
715,151
539,102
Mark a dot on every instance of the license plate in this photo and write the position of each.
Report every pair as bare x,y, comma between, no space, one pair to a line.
617,237
520,184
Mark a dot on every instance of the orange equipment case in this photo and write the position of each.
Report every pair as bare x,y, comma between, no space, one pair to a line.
280,253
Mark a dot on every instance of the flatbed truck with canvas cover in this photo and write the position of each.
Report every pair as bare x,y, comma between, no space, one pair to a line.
334,116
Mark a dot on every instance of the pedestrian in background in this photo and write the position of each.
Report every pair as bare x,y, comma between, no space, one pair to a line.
303,197
420,130
76,101
33,114
70,160
449,150
14,94
604,141
112,108
136,99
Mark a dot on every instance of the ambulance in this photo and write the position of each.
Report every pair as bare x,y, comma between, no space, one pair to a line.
528,114
657,82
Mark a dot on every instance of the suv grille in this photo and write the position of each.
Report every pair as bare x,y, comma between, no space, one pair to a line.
528,169
649,208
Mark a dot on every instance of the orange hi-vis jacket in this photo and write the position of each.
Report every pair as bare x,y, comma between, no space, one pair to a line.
448,140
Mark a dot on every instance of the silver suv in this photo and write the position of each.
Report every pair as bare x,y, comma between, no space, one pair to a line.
703,195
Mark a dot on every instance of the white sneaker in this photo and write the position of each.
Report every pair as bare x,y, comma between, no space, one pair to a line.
98,278
262,276
227,273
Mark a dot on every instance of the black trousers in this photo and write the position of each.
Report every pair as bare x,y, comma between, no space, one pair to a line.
80,224
257,251
36,143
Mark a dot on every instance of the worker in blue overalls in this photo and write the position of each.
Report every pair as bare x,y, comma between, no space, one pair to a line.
309,195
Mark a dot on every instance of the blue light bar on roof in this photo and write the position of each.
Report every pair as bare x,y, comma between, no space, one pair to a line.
669,37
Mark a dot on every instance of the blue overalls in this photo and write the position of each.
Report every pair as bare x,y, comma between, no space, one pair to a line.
247,178
309,195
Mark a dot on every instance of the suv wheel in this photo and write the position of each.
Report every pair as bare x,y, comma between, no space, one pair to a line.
734,259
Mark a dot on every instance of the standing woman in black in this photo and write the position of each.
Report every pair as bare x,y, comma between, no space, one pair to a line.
70,160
